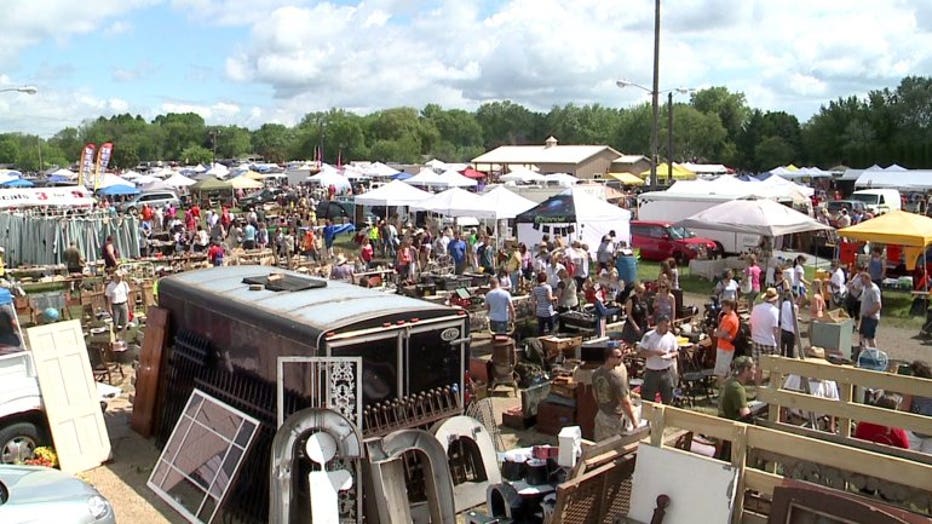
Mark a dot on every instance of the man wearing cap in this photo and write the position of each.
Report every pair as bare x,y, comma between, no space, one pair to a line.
610,388
765,328
733,401
117,293
660,349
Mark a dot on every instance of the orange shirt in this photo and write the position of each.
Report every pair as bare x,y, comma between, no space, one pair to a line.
729,323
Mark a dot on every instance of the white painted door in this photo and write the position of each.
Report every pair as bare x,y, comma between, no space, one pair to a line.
69,394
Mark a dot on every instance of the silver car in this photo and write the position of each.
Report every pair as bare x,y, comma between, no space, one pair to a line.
40,494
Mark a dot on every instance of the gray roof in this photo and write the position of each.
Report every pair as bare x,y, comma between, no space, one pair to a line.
308,312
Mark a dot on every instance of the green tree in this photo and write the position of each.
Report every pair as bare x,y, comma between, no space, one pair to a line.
272,142
731,108
459,135
632,136
182,130
9,148
774,151
196,155
824,135
229,141
507,122
697,136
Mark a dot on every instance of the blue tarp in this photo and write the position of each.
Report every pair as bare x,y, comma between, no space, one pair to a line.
58,179
18,182
402,176
6,297
118,189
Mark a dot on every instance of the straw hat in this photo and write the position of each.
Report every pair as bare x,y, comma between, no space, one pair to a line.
815,352
341,259
770,295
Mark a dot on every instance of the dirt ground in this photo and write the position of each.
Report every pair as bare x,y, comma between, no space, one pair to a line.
123,480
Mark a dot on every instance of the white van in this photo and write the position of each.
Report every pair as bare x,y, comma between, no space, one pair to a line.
879,201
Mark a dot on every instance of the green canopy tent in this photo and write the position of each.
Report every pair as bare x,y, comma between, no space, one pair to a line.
209,186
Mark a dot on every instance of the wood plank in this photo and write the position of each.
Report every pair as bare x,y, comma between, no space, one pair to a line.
739,454
885,417
816,368
878,465
699,423
846,394
147,374
761,481
907,454
655,413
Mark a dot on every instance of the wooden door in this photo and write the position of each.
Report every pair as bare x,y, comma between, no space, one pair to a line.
69,394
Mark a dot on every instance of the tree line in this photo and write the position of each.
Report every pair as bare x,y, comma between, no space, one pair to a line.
715,125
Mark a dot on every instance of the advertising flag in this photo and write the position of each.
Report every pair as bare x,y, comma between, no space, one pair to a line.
103,160
86,164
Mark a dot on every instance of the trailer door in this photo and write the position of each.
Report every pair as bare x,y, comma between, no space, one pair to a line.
381,362
436,356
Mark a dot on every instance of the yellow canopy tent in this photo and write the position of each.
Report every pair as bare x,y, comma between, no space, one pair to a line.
791,167
679,172
253,175
912,231
244,182
627,179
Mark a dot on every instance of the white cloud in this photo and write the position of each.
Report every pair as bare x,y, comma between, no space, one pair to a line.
217,113
118,28
545,52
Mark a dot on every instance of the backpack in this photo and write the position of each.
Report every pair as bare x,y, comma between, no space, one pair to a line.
742,341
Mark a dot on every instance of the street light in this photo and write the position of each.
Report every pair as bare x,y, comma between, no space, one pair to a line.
655,123
29,90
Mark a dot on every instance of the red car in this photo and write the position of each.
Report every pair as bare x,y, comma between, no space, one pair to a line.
658,240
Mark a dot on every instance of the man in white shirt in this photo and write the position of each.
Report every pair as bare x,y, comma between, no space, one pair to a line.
765,329
500,308
117,293
837,283
553,269
660,349
788,313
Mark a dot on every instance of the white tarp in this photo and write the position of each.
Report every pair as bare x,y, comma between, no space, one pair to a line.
71,196
506,203
378,169
706,169
456,202
394,193
913,179
561,179
758,217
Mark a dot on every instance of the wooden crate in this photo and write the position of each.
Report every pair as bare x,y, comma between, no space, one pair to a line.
555,346
552,417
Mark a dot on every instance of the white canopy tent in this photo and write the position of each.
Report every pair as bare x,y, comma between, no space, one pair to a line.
380,170
522,175
218,170
456,202
438,165
909,180
425,177
178,181
756,217
561,179
132,175
107,180
142,180
244,182
158,185
394,193
706,169
67,173
506,203
452,178
328,177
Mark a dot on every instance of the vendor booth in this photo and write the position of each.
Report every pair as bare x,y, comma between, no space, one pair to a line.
576,215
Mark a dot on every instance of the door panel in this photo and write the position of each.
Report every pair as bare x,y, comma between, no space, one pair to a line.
70,395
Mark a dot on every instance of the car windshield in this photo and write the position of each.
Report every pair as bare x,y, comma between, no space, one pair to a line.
867,198
680,233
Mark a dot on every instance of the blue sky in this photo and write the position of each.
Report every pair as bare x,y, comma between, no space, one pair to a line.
247,62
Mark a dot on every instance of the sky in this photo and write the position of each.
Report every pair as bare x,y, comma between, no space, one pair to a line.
249,62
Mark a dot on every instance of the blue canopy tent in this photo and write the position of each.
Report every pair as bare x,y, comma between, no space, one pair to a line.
118,190
402,176
18,182
59,179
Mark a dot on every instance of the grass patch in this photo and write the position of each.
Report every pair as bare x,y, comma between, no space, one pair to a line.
689,283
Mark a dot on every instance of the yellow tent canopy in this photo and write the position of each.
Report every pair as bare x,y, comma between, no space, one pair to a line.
896,227
627,179
791,167
253,175
679,172
244,182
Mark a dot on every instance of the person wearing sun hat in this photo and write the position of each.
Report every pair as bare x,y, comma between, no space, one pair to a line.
341,270
765,328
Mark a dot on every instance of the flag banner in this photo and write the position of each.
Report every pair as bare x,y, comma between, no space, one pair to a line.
103,156
86,164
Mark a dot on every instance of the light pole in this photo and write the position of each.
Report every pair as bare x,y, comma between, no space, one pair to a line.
655,122
29,90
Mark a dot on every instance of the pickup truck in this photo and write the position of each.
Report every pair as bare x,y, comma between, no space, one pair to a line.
23,426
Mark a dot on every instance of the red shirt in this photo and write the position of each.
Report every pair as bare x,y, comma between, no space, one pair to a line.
882,434
146,213
366,252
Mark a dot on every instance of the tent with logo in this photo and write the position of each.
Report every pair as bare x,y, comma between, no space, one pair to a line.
576,215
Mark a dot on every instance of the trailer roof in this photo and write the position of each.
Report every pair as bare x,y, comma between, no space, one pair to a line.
323,309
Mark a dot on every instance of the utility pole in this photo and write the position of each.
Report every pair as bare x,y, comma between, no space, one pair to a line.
654,95
670,138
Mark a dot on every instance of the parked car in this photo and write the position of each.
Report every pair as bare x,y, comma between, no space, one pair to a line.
659,240
153,198
41,494
835,206
263,196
